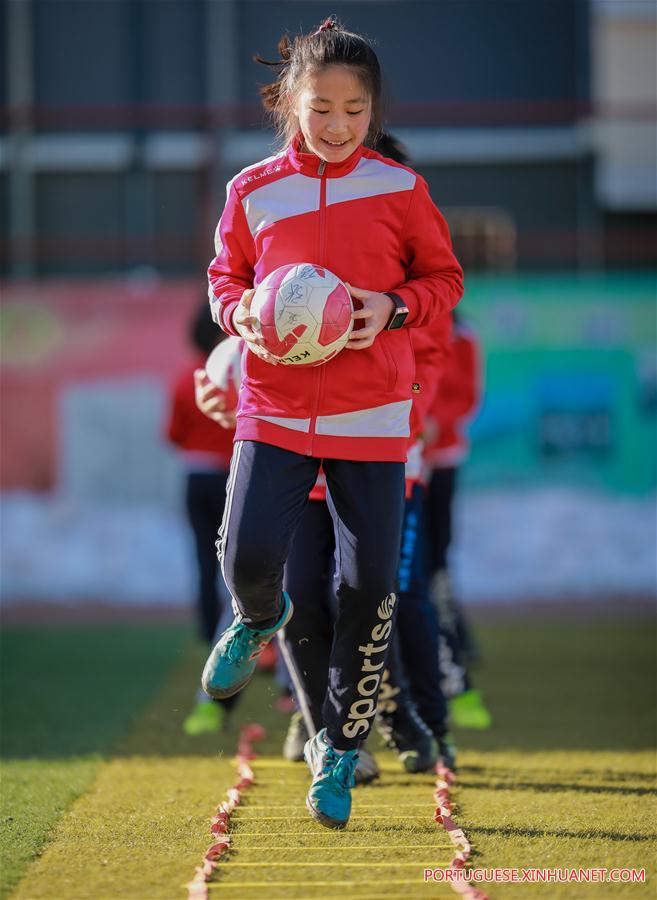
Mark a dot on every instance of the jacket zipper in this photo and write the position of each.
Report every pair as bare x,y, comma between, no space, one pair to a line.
319,370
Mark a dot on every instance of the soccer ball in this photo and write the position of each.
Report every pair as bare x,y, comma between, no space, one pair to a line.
224,369
303,312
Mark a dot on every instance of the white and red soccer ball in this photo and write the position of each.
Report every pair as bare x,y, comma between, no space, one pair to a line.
224,369
303,312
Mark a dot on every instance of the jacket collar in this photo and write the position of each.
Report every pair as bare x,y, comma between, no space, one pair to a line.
309,164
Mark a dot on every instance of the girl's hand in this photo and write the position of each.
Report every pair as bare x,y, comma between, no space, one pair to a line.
376,311
243,323
210,400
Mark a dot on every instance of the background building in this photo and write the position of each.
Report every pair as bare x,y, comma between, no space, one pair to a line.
534,123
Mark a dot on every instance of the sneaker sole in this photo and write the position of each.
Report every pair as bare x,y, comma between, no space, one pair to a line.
218,694
326,821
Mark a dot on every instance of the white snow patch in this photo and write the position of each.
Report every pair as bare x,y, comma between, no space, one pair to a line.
552,543
509,545
58,550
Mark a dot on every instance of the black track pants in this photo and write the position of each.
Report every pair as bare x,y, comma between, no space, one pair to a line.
267,492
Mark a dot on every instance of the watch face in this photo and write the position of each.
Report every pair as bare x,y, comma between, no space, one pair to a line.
398,319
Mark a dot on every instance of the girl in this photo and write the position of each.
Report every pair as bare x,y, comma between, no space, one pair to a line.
328,200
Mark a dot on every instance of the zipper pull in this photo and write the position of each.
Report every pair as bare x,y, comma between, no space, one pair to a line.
322,167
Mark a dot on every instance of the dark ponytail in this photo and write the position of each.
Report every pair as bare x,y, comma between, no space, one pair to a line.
388,145
307,54
273,95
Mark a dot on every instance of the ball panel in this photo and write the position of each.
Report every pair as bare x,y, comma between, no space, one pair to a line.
310,272
294,292
274,280
265,310
290,318
336,317
280,346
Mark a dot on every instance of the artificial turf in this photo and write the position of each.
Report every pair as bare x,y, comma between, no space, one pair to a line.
565,778
67,695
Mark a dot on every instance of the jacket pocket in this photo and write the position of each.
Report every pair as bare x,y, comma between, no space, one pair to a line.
391,366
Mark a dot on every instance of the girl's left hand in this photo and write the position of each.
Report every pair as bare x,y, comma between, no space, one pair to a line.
376,311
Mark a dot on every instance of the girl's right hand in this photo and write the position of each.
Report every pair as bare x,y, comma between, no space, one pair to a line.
243,323
210,400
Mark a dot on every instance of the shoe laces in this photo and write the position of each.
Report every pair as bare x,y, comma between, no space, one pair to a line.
240,643
339,768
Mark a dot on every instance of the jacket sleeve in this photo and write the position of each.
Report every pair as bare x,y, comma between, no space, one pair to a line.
435,278
431,347
460,387
231,271
176,424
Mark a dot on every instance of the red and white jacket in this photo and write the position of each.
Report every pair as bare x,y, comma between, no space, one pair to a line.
370,221
203,445
455,401
431,347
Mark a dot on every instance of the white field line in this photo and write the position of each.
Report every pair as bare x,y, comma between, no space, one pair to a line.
384,849
299,834
250,806
332,883
234,864
301,816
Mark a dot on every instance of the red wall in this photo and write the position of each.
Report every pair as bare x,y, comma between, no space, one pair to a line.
63,331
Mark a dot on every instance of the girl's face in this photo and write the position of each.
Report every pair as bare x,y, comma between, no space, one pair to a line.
334,111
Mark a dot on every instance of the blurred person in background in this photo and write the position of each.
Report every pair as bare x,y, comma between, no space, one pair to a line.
446,447
204,451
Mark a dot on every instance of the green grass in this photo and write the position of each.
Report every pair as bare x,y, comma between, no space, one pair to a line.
564,778
34,795
74,690
569,685
67,695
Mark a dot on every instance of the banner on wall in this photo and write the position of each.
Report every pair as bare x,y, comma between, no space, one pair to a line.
570,380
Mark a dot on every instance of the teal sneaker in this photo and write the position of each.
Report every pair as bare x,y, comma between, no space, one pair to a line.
329,797
235,655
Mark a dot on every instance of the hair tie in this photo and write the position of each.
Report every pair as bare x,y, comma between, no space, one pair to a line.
328,25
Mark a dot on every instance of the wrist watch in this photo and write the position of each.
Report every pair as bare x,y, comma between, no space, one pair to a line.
399,313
